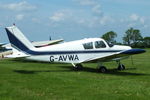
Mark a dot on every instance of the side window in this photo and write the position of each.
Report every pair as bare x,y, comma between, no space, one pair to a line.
100,44
88,45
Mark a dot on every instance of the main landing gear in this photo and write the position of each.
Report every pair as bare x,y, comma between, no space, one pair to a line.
77,66
102,69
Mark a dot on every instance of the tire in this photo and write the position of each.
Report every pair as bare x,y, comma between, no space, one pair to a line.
121,67
78,67
102,69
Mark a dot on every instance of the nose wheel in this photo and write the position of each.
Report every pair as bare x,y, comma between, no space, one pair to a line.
120,66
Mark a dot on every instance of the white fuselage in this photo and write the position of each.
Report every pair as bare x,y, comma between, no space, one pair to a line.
75,52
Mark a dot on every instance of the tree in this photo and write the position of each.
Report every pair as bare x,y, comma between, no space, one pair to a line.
110,36
132,37
146,42
127,37
136,37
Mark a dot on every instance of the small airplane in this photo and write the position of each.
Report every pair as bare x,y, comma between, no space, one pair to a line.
74,52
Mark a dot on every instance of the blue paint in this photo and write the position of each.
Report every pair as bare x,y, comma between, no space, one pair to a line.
133,51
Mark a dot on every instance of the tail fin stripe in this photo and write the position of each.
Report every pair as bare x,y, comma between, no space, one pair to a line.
16,42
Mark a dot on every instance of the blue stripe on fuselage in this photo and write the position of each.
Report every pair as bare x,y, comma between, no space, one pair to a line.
69,52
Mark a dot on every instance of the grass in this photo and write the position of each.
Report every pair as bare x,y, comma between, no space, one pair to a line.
44,81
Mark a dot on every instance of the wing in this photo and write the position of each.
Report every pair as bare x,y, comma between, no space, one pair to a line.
116,56
16,56
46,43
104,58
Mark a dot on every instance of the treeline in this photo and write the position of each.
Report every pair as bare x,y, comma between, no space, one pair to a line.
132,37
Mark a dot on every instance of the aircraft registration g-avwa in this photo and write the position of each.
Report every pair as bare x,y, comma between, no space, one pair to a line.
74,52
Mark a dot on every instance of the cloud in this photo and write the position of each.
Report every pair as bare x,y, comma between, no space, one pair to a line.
97,9
60,16
95,21
136,21
94,4
137,18
134,17
19,17
142,20
20,6
98,17
105,19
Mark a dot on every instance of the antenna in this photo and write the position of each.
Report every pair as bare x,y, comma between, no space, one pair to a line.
50,38
14,24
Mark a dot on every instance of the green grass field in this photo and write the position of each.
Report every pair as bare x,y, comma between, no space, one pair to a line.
44,81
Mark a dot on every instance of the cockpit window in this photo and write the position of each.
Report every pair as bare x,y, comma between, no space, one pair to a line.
110,44
88,45
100,44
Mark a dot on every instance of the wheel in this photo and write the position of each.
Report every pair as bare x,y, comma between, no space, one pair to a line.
121,67
102,69
78,67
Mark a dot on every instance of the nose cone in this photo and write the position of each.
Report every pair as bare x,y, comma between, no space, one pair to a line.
134,51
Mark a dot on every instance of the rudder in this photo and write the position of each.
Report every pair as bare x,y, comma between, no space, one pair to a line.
17,39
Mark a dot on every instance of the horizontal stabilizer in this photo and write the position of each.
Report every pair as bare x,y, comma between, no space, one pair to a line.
46,43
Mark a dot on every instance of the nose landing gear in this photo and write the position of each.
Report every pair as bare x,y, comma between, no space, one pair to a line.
120,66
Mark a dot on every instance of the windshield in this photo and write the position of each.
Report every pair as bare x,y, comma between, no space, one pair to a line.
100,44
110,44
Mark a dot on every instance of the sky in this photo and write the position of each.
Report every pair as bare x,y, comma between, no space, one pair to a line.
74,19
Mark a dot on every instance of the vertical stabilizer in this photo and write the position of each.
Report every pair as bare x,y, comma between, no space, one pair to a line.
17,39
